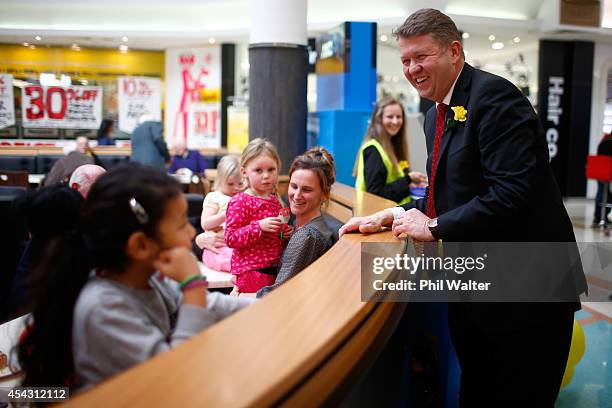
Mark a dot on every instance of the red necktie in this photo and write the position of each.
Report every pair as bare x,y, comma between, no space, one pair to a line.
441,115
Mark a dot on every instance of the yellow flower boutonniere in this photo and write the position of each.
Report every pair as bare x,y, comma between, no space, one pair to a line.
460,116
404,166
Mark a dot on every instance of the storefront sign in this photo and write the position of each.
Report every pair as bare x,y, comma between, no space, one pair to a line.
7,106
74,107
138,96
553,115
193,96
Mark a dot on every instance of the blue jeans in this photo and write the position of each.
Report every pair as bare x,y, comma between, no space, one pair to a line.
598,198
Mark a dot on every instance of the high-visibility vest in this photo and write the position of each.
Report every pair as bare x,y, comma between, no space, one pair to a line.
393,173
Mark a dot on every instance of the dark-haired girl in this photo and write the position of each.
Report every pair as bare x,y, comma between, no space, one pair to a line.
104,133
111,298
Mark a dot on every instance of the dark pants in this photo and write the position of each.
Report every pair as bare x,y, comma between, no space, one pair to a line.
511,354
598,198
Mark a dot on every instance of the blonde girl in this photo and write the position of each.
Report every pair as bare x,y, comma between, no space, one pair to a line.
228,184
253,223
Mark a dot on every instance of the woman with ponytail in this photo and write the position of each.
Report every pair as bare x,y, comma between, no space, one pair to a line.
311,176
120,288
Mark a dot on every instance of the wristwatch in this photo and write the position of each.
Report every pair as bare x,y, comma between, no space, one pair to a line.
433,227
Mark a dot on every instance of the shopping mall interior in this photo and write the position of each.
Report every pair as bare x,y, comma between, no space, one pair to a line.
303,73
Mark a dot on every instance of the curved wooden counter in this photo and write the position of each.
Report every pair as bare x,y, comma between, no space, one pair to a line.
297,346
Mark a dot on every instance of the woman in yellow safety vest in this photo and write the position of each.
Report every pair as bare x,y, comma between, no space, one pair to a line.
382,165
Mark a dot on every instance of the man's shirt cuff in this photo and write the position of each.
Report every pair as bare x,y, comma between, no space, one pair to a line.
397,211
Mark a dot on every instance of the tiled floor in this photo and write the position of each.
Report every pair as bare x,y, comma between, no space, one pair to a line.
591,384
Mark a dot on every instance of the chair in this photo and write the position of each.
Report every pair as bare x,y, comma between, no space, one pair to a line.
44,163
194,212
198,185
108,162
194,203
14,178
334,225
18,163
13,191
600,168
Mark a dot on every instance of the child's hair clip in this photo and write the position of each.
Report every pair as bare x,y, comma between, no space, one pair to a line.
139,211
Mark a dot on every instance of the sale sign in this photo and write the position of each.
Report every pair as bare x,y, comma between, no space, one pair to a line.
138,96
204,125
69,107
193,96
7,106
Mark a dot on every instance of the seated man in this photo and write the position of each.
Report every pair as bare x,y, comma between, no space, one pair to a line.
83,178
187,159
62,169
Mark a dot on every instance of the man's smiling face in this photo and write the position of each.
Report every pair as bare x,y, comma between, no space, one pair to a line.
428,66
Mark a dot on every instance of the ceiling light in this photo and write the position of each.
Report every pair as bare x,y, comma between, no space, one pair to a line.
26,44
516,40
491,37
465,36
47,79
38,38
124,39
497,45
65,80
384,38
211,40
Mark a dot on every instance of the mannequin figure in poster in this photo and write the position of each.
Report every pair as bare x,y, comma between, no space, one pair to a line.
191,88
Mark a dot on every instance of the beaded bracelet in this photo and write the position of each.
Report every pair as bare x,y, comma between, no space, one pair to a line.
196,283
190,279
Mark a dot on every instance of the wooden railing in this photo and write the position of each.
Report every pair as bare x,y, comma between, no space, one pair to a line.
303,344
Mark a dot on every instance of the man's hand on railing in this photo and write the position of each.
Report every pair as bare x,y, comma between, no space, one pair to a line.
369,224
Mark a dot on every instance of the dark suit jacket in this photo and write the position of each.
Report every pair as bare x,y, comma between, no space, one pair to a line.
494,181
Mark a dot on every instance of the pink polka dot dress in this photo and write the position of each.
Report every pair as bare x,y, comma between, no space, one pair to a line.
254,250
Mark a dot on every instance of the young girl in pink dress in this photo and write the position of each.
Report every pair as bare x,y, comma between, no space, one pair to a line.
253,224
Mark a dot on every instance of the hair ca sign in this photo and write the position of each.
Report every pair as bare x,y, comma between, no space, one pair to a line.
553,114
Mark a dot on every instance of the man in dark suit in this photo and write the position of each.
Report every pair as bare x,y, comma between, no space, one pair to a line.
490,180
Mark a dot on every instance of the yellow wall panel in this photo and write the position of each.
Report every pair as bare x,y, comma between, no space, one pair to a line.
91,64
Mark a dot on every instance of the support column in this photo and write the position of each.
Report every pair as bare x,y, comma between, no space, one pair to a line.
278,59
564,102
228,62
